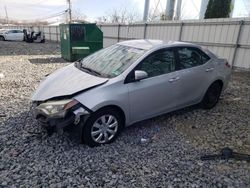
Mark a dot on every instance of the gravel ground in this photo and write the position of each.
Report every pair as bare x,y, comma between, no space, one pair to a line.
169,157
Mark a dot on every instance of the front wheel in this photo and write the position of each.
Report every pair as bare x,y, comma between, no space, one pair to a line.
212,96
102,127
2,38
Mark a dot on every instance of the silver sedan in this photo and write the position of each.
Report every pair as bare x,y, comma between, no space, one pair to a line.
126,83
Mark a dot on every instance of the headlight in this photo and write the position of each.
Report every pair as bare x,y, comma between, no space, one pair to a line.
58,108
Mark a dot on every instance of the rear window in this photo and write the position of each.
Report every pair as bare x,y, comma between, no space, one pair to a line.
191,57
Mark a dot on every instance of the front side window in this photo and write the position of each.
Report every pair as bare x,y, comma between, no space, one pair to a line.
191,57
158,63
113,60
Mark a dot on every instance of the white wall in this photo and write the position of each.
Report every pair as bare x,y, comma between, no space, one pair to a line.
228,38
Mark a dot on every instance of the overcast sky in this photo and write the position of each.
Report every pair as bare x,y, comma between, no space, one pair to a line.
40,9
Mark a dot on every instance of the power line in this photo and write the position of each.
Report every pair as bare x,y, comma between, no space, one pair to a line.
54,15
156,7
183,14
162,10
48,16
195,5
246,7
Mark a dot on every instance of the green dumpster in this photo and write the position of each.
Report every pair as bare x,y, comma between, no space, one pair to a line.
79,40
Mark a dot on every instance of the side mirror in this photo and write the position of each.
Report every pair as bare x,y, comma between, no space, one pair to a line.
139,75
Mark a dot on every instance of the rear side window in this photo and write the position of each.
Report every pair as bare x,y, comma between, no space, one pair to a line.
191,57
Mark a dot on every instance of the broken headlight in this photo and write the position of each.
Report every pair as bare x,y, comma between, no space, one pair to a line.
57,108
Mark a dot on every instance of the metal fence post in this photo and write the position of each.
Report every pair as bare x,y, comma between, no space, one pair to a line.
56,33
49,34
241,23
118,33
180,34
145,31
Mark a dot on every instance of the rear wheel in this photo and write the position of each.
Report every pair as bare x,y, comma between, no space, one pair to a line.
2,38
212,96
102,127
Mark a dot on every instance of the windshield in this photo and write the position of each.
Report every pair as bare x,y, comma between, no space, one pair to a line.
112,61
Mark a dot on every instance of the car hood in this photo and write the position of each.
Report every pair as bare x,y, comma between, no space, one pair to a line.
66,81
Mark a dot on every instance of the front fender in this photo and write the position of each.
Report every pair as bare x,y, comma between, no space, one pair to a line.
115,94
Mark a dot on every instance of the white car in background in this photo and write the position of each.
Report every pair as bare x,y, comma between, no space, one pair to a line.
11,34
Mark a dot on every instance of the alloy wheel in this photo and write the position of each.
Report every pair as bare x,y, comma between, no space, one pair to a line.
104,129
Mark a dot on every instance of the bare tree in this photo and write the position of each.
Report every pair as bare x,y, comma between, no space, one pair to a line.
101,20
155,15
122,16
77,15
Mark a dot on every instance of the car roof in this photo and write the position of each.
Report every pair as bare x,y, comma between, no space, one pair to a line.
148,44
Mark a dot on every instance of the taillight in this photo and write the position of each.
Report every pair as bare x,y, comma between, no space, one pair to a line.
228,65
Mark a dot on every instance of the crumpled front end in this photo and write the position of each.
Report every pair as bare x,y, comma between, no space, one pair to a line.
53,99
58,114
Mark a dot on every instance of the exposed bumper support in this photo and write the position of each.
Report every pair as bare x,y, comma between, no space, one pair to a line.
71,117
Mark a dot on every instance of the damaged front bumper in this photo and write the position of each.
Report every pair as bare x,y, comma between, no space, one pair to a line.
59,114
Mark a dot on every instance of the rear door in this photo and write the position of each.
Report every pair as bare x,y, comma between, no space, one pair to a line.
195,72
155,94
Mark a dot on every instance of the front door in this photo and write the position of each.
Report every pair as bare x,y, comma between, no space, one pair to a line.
155,94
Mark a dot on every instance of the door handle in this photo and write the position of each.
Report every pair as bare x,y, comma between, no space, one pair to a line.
209,69
174,79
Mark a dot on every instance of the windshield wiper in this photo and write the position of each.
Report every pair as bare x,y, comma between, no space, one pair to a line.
77,64
90,71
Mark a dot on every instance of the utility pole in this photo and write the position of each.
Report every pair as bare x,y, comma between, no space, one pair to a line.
6,15
232,5
203,8
69,11
146,8
170,9
178,10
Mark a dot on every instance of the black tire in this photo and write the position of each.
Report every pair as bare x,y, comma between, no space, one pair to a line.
212,96
43,41
2,38
88,128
